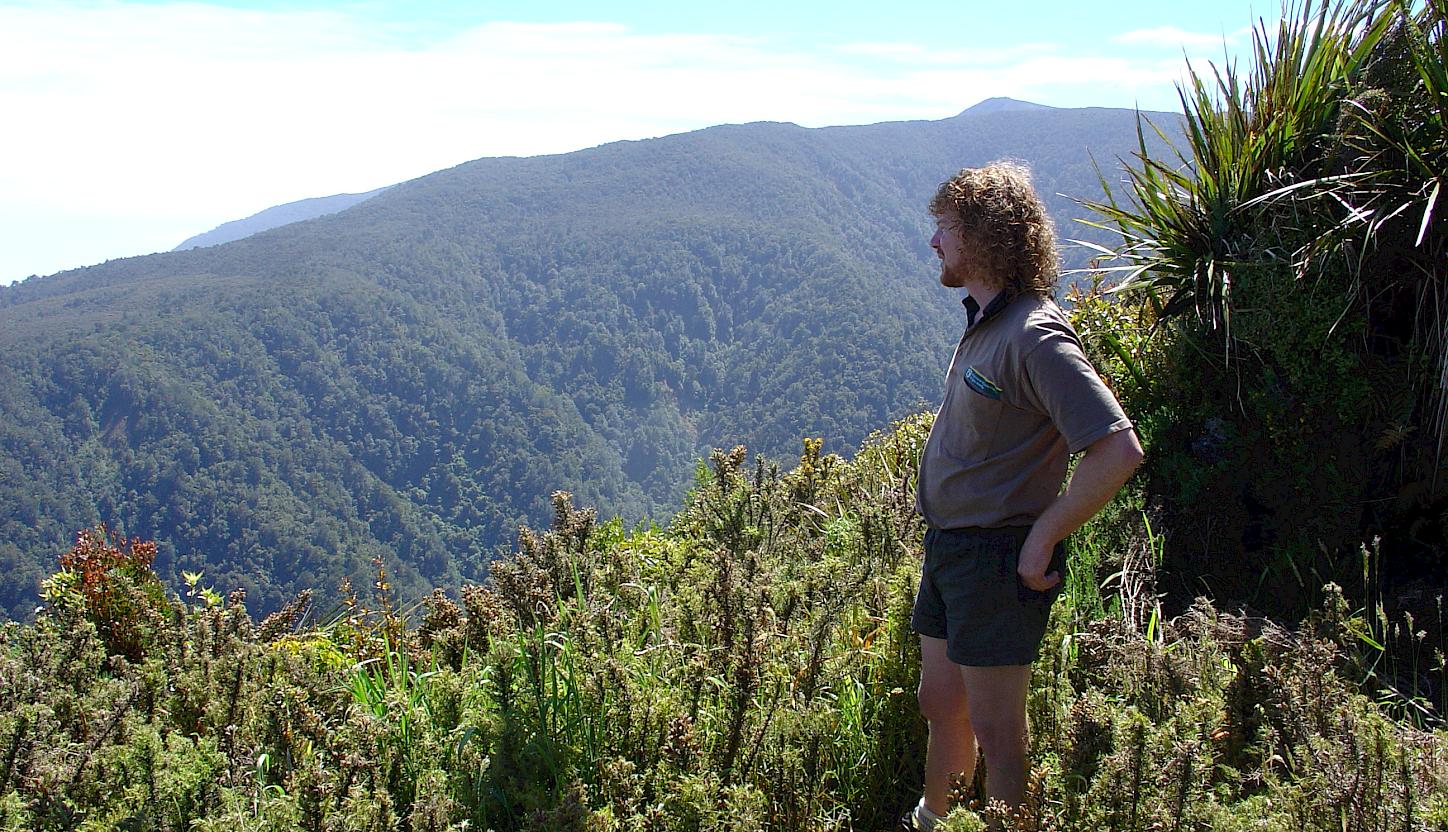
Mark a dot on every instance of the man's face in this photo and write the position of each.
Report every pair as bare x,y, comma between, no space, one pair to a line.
950,247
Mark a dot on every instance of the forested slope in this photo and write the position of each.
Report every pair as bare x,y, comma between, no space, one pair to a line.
410,379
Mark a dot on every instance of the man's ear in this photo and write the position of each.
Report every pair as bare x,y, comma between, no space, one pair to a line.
978,260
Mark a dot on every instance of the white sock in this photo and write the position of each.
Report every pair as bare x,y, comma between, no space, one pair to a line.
924,818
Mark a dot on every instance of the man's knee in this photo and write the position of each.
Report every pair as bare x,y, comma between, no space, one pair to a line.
1000,738
998,708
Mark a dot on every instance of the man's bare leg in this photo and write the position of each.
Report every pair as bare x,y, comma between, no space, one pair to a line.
950,751
996,698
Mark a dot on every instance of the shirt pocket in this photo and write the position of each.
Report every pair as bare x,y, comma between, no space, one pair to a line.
975,416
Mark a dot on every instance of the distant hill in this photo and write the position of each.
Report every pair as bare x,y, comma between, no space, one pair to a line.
275,216
409,379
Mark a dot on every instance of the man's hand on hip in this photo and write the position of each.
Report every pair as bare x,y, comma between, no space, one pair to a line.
1032,564
1107,465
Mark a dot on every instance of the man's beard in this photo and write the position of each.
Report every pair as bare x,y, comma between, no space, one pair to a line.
951,276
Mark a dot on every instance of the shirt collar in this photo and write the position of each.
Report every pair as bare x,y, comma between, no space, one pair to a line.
972,308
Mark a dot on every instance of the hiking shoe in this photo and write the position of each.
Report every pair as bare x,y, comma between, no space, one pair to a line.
907,822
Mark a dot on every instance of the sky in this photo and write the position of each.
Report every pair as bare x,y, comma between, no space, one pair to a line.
129,126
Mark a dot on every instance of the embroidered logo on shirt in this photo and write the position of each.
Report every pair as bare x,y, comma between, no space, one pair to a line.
980,384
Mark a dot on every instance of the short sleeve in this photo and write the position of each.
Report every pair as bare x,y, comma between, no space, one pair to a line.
1060,381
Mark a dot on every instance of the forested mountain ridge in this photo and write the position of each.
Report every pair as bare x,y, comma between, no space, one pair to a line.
411,378
306,209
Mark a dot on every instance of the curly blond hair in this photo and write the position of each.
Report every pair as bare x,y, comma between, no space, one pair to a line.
1005,225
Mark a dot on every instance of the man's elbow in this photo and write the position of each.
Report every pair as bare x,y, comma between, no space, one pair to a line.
1131,450
1123,449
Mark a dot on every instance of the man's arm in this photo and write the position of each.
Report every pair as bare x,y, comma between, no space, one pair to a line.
1107,465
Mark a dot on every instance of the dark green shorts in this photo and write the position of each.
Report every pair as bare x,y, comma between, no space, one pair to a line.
971,596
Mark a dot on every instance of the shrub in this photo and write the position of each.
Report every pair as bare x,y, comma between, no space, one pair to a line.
108,579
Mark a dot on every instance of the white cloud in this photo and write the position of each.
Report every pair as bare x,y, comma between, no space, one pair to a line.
1130,79
186,115
912,53
1170,37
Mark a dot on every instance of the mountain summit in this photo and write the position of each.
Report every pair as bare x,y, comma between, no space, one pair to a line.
1003,105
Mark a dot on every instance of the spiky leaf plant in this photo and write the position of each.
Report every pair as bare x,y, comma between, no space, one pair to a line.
1191,220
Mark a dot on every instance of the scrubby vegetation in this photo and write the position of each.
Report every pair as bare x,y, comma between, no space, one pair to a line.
749,667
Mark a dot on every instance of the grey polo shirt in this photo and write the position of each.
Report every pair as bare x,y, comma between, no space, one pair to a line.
1019,398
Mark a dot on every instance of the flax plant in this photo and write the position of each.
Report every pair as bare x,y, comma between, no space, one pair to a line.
1401,153
1191,220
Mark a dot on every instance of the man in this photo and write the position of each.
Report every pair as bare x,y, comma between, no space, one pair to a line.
1020,397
